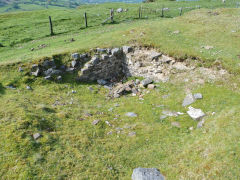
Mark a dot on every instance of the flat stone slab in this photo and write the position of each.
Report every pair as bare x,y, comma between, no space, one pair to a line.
147,174
131,114
195,114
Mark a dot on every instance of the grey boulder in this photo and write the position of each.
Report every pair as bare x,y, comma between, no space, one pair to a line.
189,99
75,56
147,174
147,81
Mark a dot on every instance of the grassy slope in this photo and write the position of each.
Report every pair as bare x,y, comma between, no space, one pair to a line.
196,30
73,148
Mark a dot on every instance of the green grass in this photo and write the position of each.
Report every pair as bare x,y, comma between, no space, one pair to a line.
70,146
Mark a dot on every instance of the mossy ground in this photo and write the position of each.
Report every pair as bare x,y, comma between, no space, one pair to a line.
72,148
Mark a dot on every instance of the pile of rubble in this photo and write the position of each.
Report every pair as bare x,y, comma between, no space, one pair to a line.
130,87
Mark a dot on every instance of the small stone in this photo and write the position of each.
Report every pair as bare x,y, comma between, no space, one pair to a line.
176,32
198,96
28,88
132,134
176,124
116,105
73,91
100,50
75,56
110,133
102,82
137,82
189,99
127,49
110,109
195,114
151,86
74,63
191,128
155,55
95,122
20,69
119,10
163,117
169,113
200,123
131,114
47,78
116,51
147,81
90,89
59,78
147,174
36,136
108,123
36,73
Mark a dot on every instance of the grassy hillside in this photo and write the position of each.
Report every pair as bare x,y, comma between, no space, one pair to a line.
70,146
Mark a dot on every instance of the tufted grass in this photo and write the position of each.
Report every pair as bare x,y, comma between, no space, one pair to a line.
72,148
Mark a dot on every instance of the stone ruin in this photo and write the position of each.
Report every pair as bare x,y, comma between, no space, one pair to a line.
109,67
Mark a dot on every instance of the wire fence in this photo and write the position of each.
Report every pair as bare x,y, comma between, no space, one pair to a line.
115,16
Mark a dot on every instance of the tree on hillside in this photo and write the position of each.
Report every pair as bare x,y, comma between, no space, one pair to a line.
15,4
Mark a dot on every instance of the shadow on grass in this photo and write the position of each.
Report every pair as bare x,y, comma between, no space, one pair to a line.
2,89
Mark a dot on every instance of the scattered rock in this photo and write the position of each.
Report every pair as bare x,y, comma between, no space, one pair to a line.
207,47
155,55
147,81
59,78
127,49
74,63
36,136
131,114
28,88
117,52
11,87
102,82
75,56
169,113
163,117
108,123
195,114
95,122
132,134
20,69
200,123
198,96
147,174
47,77
176,32
191,128
119,10
151,86
189,99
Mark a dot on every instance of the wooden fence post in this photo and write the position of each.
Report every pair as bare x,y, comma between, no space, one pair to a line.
85,17
139,12
51,27
162,12
111,15
181,11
